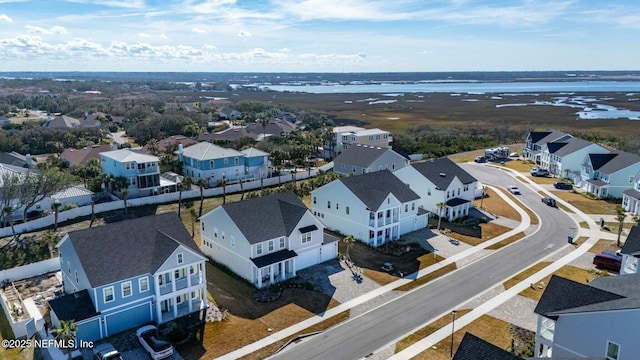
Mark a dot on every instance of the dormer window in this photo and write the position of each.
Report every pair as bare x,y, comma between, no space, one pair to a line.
180,258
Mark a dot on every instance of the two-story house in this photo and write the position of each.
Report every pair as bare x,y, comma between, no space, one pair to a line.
374,207
142,171
346,136
125,274
609,175
212,163
536,139
441,181
563,157
266,239
631,197
362,159
631,252
598,320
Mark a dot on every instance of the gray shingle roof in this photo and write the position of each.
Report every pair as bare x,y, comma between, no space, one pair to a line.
442,171
77,306
618,160
360,155
373,188
568,146
129,248
266,217
124,155
567,296
632,244
208,151
632,193
543,137
474,348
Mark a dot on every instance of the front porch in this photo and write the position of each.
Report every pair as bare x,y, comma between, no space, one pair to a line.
274,267
597,187
171,309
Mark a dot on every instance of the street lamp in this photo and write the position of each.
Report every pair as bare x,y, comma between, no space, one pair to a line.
453,325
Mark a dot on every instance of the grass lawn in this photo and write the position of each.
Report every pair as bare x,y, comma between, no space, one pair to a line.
604,244
570,272
579,241
543,179
496,205
586,205
519,165
506,241
489,231
493,330
613,226
532,216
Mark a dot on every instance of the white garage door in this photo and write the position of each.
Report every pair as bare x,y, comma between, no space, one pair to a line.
329,251
308,258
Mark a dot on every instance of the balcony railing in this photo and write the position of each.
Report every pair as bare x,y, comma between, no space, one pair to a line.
148,170
195,279
166,288
182,283
547,329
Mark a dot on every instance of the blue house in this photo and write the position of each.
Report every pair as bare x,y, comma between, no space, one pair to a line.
212,162
141,170
125,274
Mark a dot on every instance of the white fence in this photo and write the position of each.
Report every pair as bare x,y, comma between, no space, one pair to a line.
49,220
30,270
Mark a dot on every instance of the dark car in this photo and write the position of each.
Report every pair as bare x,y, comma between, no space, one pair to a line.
549,201
480,159
561,185
607,261
106,351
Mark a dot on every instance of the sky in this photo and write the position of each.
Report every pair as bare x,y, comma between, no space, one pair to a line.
319,35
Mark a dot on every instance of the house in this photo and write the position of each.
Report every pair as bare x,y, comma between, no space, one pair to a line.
92,120
563,157
609,175
17,214
361,159
474,348
61,121
169,145
345,136
535,141
82,156
274,127
142,171
227,113
16,159
128,273
212,162
441,181
631,197
266,239
74,195
631,252
594,320
375,207
229,135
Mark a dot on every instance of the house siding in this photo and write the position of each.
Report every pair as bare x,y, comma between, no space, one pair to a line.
88,330
132,316
69,265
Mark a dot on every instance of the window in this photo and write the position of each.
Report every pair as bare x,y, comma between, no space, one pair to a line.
236,161
222,234
202,224
126,289
107,294
406,207
180,258
194,294
143,284
613,350
337,206
233,240
413,206
282,242
328,204
76,276
270,245
226,160
458,191
259,249
215,232
306,237
347,210
69,267
314,199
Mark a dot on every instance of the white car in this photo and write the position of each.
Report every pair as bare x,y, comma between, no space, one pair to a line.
513,189
157,349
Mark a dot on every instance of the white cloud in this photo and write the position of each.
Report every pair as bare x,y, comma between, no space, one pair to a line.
344,9
127,4
36,29
209,47
163,36
59,30
5,17
144,35
199,30
284,50
244,33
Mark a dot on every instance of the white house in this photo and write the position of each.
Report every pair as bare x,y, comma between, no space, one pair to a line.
564,157
375,207
441,181
361,159
631,197
536,139
266,239
609,175
631,252
598,320
345,136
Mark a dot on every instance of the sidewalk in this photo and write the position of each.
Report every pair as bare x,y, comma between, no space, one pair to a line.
282,334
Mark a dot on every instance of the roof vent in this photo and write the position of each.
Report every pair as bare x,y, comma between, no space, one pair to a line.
443,174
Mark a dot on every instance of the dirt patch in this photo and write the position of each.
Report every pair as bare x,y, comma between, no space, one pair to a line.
371,260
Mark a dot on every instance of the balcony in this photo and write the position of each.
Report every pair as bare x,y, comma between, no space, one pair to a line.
148,170
182,283
195,279
166,288
547,329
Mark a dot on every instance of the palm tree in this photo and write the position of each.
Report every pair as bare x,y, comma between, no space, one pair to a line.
201,183
223,182
124,193
183,185
349,240
441,206
192,212
56,206
66,332
621,215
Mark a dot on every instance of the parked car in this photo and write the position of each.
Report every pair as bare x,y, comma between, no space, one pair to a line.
513,189
480,159
549,201
387,266
514,155
607,261
539,172
561,185
106,351
157,349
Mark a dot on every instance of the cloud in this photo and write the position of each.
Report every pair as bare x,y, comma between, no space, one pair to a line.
127,4
39,30
144,35
199,30
59,30
163,36
5,17
244,33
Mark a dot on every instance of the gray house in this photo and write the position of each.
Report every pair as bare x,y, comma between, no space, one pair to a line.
595,320
631,252
362,159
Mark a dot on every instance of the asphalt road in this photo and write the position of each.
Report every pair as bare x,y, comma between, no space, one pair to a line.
361,336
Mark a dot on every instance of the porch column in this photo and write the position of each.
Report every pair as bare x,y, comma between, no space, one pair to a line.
175,307
189,277
293,270
190,300
156,280
271,273
283,269
173,282
259,278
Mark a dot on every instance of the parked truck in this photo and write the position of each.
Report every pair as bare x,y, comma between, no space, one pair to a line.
496,154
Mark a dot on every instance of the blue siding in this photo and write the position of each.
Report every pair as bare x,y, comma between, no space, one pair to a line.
254,161
118,300
89,331
69,265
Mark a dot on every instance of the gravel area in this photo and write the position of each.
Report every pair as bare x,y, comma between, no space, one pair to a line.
518,311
